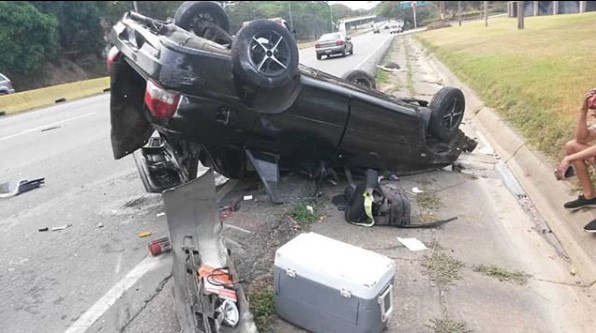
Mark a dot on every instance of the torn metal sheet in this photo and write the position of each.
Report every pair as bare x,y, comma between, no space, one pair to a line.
196,240
21,186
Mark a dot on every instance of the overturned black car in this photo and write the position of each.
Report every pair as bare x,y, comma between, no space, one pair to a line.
244,105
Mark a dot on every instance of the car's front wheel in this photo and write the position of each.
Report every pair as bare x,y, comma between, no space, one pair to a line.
205,19
448,106
265,54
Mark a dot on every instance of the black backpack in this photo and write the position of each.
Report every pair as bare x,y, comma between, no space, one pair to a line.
370,203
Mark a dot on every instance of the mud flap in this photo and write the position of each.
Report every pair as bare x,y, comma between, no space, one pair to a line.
267,166
195,235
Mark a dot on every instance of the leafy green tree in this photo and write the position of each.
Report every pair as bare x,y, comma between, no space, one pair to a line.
78,25
27,37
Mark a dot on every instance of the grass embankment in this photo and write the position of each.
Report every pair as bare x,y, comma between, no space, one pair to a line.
535,78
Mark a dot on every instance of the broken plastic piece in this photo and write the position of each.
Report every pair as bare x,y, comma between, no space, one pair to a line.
144,234
62,227
21,186
416,190
43,229
412,244
247,197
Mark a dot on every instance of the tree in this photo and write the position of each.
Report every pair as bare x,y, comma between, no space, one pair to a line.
341,11
27,36
78,25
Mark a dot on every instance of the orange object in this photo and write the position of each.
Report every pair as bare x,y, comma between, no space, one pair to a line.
218,281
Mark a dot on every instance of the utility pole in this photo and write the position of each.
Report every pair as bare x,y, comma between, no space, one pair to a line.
331,18
134,4
442,10
414,12
459,12
520,15
485,13
291,21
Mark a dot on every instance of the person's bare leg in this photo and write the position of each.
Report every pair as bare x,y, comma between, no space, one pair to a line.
581,169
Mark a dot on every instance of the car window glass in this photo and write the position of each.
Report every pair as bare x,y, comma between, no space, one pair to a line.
330,37
3,78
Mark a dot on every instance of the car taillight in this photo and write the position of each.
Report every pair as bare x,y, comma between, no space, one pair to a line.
339,42
317,45
160,102
114,52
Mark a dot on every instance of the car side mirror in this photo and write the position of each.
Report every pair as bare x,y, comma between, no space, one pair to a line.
348,38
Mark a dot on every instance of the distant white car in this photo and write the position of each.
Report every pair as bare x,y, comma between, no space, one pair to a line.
395,29
5,85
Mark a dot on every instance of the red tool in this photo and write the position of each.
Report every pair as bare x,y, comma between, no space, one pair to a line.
159,246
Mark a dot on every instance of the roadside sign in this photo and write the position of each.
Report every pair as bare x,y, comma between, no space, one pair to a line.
411,4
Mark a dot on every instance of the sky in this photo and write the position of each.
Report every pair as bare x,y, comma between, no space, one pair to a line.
357,4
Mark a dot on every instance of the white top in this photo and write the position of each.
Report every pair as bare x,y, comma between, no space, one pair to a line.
338,265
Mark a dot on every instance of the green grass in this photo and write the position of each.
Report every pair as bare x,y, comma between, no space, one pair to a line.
262,307
534,77
302,214
502,274
382,77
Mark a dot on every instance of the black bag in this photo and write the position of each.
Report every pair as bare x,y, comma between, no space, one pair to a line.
389,204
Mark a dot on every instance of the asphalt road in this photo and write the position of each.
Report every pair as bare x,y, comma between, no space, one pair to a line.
96,275
68,280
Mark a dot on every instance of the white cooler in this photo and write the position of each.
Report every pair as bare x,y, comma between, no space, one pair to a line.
326,286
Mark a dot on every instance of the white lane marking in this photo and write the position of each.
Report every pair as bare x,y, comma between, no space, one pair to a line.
110,298
373,53
118,263
47,125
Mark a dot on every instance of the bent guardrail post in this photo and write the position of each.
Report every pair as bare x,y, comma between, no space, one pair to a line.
195,235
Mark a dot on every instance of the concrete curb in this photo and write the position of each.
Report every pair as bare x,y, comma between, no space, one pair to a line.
32,99
535,173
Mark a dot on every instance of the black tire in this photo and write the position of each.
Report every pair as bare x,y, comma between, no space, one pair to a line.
448,106
360,77
265,54
191,13
343,53
319,57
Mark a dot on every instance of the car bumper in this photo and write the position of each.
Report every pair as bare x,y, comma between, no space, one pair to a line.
331,50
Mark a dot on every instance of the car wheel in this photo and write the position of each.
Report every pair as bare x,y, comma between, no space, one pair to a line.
360,77
319,57
343,53
201,17
448,106
265,54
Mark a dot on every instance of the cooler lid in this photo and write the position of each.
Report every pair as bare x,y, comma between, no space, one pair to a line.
336,264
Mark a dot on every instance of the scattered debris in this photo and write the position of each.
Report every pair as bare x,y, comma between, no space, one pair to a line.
416,190
310,209
159,246
62,227
389,67
99,225
21,186
50,128
412,244
502,274
322,218
392,65
43,229
144,234
247,197
441,268
161,214
448,326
